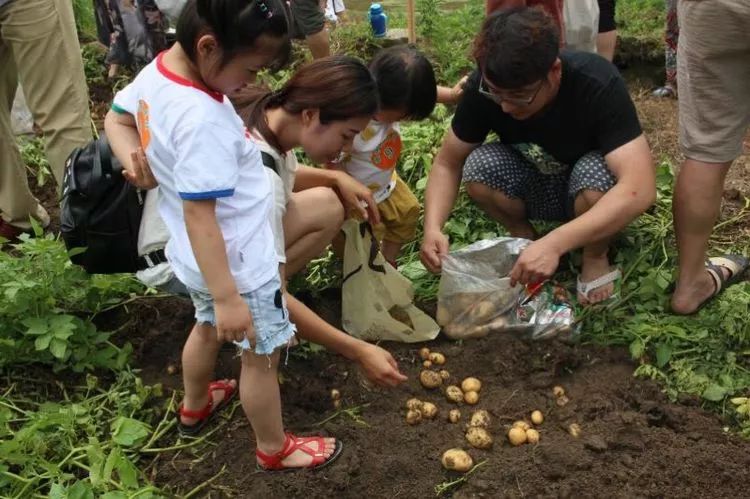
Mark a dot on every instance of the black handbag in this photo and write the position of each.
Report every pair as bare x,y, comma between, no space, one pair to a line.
100,211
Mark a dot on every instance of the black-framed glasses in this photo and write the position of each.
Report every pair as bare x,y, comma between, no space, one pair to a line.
516,101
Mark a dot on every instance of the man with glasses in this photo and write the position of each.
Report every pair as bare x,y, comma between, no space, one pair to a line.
569,149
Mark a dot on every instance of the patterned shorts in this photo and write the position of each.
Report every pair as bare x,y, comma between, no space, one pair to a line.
547,196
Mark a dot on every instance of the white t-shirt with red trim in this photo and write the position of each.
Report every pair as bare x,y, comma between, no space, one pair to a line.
198,149
374,157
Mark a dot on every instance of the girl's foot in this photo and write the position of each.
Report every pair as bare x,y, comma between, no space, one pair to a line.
665,91
220,393
300,453
592,269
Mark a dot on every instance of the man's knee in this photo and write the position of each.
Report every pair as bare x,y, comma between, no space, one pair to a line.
478,191
585,199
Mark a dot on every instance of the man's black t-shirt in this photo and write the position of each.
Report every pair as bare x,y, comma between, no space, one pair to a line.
592,112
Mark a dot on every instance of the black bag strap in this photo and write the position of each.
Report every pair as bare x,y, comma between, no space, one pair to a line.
152,259
269,162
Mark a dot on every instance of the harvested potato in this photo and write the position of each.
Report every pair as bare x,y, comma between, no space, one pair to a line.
532,436
413,417
454,416
430,379
437,358
427,364
537,417
414,404
478,437
521,424
482,312
428,410
457,460
471,385
454,394
444,374
335,394
480,419
471,398
517,436
171,369
558,391
424,353
336,404
443,316
574,430
562,400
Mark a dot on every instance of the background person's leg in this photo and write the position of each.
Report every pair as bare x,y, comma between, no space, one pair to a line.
42,36
606,40
17,203
313,218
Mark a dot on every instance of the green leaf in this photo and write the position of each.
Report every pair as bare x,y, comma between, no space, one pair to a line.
714,392
663,354
57,491
96,461
116,494
128,432
36,326
128,472
42,342
636,348
80,490
58,348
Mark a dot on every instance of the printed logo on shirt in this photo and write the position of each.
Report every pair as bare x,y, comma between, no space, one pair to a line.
142,123
367,134
386,155
541,159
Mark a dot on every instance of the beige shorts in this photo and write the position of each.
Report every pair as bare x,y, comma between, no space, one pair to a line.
713,75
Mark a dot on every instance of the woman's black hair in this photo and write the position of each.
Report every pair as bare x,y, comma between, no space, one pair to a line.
236,25
406,81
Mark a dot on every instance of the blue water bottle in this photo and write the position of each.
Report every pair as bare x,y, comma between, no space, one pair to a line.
378,20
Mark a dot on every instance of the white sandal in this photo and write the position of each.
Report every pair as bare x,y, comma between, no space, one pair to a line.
584,288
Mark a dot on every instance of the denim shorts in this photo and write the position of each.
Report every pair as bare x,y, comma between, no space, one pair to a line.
270,316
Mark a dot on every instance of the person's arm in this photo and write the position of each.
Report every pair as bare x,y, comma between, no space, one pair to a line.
353,194
377,363
123,138
443,183
451,95
233,319
633,194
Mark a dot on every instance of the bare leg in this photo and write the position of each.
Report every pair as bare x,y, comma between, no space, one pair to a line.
198,362
509,212
318,43
606,43
595,261
696,205
390,250
261,401
313,218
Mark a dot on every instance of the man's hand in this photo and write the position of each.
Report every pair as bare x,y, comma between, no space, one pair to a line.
458,89
139,174
537,262
357,197
434,247
233,320
379,366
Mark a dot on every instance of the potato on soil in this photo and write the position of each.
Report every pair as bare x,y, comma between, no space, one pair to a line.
532,436
454,416
335,394
521,424
414,404
424,353
444,374
471,385
427,364
454,394
574,430
480,419
537,417
437,358
558,391
171,369
478,437
562,401
337,403
428,410
517,436
457,460
471,398
430,379
413,417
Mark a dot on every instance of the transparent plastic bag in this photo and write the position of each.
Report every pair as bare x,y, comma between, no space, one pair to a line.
475,296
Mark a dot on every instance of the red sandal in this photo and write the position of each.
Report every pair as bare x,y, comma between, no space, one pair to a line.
272,462
205,415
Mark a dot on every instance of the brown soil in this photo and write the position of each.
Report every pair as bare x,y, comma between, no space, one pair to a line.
634,442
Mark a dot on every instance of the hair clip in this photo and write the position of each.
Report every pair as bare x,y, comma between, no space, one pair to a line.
264,9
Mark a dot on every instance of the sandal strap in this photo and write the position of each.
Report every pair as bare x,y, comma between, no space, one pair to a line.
202,414
292,444
586,287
